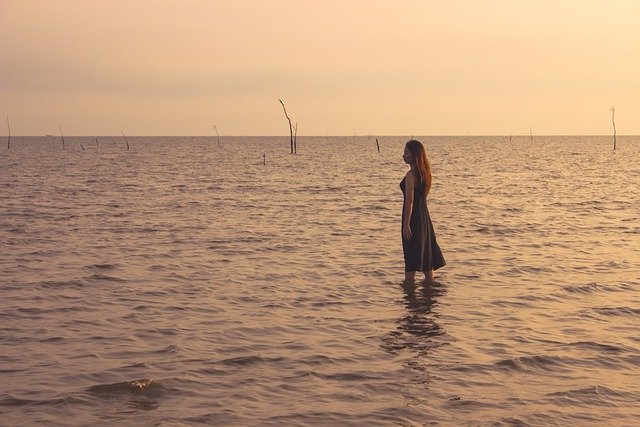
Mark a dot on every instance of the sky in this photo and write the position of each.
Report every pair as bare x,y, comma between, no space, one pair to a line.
342,67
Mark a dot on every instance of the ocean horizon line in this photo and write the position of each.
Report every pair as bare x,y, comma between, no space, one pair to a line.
319,136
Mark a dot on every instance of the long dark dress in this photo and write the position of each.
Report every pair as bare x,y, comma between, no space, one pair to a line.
422,252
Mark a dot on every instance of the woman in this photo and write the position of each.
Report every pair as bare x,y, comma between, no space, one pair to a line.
421,251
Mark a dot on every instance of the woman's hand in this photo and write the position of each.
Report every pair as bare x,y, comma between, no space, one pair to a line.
406,232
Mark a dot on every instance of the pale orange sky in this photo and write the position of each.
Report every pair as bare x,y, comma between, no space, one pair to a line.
343,67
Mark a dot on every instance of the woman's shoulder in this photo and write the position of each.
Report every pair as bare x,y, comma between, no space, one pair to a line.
411,175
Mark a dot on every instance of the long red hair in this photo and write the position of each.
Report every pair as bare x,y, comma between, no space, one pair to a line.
416,148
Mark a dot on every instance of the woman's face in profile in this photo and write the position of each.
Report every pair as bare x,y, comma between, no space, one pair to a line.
407,156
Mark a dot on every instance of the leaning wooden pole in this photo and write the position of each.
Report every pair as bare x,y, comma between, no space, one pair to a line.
290,125
125,139
378,145
613,120
9,129
62,135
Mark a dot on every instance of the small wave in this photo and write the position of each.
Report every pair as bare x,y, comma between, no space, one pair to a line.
60,283
582,289
596,395
250,360
52,339
506,303
618,311
102,266
527,269
36,253
38,311
104,277
321,190
346,376
593,288
501,230
591,345
536,363
15,401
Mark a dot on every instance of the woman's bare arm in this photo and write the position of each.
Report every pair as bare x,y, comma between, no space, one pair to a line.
409,183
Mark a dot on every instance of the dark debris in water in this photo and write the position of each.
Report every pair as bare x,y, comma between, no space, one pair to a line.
144,385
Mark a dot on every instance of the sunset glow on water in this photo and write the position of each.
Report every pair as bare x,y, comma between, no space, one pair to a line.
180,282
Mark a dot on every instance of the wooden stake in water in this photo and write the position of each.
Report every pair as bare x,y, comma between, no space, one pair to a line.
264,159
217,135
290,125
9,128
60,127
125,139
295,139
613,120
530,133
96,142
378,145
82,147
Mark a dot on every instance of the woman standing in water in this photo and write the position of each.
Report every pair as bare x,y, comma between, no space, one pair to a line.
421,251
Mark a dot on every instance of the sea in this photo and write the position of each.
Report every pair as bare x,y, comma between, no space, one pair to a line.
225,281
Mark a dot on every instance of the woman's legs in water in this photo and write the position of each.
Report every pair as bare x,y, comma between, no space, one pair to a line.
410,276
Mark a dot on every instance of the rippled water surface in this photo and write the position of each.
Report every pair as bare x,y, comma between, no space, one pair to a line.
185,283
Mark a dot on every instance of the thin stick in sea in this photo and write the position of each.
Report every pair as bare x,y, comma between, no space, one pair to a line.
125,139
295,139
290,125
378,145
9,128
613,120
217,135
61,134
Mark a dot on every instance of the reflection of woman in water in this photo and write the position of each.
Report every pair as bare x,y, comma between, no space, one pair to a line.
417,328
421,251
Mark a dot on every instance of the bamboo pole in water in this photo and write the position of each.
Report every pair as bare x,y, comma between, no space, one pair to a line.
217,135
125,139
62,135
9,129
378,145
290,126
295,139
96,142
613,120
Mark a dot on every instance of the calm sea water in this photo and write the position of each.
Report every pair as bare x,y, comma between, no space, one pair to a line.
183,283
